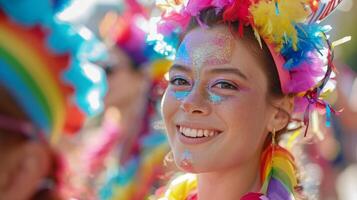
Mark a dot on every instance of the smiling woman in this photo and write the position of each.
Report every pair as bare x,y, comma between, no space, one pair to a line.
231,96
219,107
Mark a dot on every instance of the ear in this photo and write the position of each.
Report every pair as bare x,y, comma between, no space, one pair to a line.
283,109
27,168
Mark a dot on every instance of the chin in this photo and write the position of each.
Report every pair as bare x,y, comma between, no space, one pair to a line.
192,166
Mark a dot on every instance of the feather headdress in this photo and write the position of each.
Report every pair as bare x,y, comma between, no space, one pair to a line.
297,42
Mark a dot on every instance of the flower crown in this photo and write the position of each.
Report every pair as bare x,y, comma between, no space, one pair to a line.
47,66
290,28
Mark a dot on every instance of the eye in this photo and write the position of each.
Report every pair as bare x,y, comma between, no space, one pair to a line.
179,81
225,85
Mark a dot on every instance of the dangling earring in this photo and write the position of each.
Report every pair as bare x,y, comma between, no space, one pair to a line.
278,172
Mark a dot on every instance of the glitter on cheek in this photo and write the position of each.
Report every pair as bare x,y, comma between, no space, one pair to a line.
186,161
214,98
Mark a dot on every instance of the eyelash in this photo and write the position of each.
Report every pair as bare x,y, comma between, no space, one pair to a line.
175,79
231,86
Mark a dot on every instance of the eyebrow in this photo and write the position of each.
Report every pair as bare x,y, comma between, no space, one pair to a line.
180,68
213,71
229,70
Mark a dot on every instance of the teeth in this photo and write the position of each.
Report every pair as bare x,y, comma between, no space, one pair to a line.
200,133
206,133
193,132
190,132
211,133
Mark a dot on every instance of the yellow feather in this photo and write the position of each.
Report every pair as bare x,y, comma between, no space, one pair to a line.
257,36
273,27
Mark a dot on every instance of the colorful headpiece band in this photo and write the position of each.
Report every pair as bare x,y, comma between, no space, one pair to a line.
298,44
46,66
127,31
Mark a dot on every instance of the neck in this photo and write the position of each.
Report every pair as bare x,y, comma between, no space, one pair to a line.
229,184
131,124
132,113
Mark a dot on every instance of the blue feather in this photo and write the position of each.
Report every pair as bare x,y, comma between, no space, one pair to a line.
310,40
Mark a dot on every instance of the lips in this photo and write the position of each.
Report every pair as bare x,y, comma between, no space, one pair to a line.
189,135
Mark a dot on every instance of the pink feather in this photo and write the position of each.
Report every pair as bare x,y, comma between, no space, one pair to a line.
222,3
306,75
195,6
172,21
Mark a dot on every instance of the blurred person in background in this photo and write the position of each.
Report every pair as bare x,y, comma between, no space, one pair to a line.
48,86
123,157
345,126
345,130
335,151
335,148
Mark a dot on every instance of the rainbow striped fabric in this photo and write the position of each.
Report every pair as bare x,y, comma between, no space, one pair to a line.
134,180
47,67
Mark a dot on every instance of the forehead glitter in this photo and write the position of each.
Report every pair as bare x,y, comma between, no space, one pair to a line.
213,49
216,50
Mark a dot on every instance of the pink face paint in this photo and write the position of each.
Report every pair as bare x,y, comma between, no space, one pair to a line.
186,161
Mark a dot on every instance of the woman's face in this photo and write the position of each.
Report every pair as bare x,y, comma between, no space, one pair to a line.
215,108
119,94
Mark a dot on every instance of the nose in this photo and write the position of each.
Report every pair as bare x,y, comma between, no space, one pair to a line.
196,103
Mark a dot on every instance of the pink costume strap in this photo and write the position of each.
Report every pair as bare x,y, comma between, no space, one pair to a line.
284,74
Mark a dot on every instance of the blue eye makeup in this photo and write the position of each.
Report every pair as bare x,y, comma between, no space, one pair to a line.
214,98
181,95
181,87
220,85
216,91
